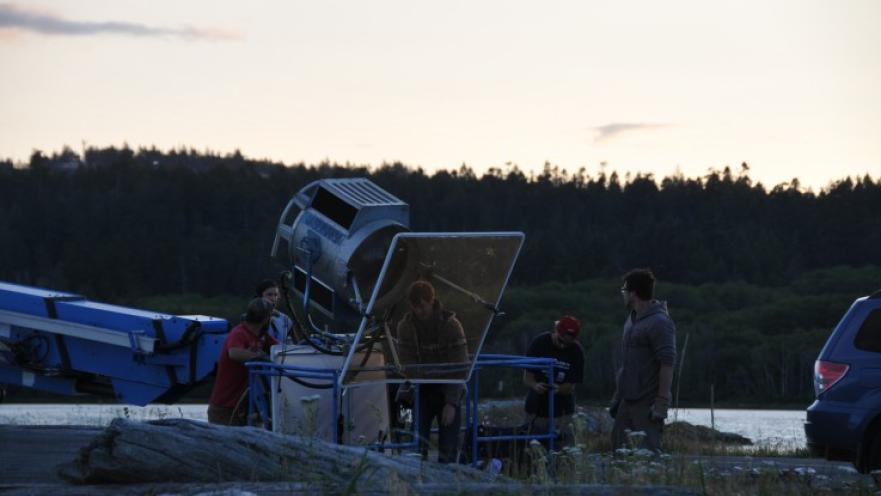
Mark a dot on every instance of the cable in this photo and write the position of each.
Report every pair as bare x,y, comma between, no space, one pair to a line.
308,384
318,347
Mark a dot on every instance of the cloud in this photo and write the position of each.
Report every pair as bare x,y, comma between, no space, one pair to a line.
611,131
15,17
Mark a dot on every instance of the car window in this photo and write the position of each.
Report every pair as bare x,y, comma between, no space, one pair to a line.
869,336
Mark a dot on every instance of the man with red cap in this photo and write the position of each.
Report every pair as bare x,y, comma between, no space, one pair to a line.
562,345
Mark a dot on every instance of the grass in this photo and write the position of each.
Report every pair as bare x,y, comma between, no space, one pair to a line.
576,465
590,460
582,463
679,437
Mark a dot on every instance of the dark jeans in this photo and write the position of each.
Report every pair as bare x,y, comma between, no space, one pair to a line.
562,425
431,407
636,416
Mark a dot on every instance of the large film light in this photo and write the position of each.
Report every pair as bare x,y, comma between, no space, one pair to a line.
339,230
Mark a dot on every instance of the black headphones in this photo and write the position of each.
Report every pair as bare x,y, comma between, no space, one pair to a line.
259,309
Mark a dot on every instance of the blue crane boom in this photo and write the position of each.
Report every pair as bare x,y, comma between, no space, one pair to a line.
63,343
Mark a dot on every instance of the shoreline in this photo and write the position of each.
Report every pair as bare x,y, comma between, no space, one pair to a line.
771,430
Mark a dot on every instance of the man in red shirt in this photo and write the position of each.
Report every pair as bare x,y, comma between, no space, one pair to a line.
247,341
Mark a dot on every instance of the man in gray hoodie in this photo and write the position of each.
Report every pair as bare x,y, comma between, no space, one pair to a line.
645,378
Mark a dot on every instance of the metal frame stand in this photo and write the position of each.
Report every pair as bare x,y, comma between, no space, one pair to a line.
259,398
471,411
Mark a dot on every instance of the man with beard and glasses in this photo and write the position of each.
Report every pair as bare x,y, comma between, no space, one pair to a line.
645,377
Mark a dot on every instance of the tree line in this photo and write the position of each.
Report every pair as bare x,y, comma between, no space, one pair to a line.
153,222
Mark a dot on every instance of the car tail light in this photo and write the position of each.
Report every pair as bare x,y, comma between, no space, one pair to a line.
826,374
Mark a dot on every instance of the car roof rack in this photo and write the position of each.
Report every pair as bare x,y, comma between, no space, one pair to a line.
876,295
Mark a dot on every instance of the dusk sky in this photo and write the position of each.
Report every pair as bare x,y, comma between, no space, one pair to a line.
792,87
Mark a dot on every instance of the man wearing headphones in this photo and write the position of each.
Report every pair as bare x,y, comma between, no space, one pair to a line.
246,342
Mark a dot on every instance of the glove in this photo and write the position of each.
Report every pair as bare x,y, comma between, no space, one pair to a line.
658,411
613,409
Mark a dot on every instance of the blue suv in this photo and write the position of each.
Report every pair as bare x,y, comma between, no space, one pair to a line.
844,422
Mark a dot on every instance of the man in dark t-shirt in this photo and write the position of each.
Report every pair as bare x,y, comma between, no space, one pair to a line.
562,345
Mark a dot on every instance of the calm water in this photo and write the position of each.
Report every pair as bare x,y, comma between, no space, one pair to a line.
776,428
98,415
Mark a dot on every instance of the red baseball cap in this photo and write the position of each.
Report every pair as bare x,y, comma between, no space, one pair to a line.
568,325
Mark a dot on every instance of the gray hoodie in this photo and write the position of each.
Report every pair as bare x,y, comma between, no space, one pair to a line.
649,342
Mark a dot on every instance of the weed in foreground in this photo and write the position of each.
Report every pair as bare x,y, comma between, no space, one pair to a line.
590,460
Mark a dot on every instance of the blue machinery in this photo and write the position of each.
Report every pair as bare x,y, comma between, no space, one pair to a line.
62,343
